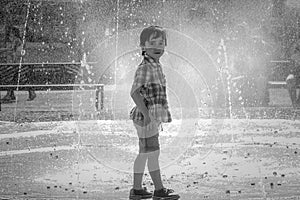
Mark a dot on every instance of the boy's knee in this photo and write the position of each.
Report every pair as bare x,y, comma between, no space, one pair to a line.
153,161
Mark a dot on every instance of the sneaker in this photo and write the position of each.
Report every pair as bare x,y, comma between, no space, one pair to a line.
139,194
165,194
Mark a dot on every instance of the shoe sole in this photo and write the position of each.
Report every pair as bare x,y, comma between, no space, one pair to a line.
165,198
139,197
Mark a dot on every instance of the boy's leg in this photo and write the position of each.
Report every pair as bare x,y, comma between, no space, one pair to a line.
154,169
153,150
138,192
149,150
141,159
138,169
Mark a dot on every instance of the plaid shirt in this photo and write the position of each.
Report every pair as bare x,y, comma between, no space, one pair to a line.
150,79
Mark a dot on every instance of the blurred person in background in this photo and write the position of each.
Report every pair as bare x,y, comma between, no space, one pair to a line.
12,53
293,79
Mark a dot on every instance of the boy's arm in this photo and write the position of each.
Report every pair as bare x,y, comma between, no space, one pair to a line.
139,101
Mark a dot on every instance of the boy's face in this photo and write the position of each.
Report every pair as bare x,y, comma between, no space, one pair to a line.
155,47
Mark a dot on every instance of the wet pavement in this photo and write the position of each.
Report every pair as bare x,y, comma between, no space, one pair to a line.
245,159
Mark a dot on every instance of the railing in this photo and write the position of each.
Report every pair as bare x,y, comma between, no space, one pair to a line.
57,82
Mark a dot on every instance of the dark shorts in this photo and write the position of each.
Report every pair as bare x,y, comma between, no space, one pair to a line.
148,139
149,144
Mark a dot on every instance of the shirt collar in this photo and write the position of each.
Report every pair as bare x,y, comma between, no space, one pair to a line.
150,59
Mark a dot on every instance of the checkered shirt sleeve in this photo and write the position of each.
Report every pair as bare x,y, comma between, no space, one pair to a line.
141,78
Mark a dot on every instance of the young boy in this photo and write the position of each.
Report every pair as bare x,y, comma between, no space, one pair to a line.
149,94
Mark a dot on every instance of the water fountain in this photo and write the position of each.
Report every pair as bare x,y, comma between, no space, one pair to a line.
198,66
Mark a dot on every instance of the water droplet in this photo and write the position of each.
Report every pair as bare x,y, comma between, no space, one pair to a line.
23,52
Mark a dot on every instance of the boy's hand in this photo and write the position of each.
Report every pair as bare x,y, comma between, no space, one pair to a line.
149,122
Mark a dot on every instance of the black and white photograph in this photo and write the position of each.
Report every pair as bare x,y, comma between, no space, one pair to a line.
149,99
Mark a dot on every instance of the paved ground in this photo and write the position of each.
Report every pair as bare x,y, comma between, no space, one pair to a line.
89,160
57,150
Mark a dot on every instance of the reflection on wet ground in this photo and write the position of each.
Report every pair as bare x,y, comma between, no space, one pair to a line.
246,158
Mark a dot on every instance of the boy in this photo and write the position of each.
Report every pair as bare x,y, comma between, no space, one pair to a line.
149,94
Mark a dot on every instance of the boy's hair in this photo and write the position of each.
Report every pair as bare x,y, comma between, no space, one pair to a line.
147,32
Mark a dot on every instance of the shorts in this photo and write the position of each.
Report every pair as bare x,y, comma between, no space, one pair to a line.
148,138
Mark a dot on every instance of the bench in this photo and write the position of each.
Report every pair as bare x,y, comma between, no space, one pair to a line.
54,73
280,72
278,84
56,83
282,69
